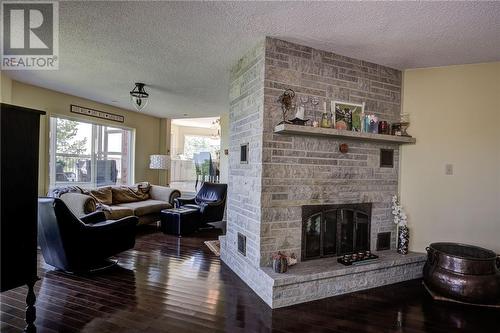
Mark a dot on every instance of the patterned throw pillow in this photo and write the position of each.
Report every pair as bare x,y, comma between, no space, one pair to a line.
144,187
59,191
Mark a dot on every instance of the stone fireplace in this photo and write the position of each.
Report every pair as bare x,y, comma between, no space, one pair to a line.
335,230
286,174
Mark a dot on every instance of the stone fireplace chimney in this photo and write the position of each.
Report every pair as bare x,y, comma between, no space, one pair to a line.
284,173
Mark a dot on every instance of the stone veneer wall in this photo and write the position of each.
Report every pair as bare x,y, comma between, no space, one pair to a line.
245,180
285,172
299,170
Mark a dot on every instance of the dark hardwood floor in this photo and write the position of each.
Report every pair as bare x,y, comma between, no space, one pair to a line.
169,284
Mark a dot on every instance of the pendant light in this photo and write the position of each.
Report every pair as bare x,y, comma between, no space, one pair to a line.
139,97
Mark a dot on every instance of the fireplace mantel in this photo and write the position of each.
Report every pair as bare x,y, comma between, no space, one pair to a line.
341,134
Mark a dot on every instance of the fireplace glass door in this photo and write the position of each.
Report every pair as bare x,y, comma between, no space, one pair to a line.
329,233
335,230
362,230
346,233
313,235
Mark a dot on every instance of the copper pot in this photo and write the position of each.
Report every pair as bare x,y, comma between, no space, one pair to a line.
463,272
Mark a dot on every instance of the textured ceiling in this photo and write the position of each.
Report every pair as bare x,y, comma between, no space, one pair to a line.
183,50
196,122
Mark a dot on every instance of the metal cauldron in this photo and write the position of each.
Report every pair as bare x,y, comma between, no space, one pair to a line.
463,272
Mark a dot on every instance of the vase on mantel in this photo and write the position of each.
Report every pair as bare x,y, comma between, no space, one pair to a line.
403,239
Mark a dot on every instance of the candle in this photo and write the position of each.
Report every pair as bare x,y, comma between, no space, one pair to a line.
300,112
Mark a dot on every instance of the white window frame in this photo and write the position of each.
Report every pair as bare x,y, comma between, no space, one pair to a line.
198,136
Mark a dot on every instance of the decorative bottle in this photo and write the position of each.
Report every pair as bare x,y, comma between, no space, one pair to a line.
326,121
403,239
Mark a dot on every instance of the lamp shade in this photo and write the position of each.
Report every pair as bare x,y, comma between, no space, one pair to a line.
160,162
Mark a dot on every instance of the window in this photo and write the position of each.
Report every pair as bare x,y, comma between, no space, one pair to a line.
89,155
195,144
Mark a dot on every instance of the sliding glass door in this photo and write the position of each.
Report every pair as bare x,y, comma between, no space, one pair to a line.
89,155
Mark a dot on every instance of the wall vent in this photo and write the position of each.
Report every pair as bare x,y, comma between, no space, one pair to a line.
244,153
383,241
242,244
387,158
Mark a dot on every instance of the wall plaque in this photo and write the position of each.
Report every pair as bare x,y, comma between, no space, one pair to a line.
96,113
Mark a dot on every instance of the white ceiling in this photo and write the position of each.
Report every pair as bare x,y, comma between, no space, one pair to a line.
183,50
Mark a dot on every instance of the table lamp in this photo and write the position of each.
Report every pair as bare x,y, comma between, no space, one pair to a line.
159,162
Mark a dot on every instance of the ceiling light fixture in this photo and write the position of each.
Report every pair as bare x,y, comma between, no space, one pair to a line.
139,97
216,125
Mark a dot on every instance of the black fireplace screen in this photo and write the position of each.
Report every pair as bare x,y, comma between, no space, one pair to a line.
335,230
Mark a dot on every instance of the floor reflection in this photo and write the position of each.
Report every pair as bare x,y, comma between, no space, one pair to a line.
170,284
459,317
80,301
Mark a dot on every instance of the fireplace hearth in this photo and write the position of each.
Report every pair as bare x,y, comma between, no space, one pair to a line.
335,230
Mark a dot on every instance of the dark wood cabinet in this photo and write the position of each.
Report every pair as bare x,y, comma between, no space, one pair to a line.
19,141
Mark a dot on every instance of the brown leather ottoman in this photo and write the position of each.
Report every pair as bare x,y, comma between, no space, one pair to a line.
179,221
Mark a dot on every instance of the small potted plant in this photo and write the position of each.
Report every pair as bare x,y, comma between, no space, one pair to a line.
280,263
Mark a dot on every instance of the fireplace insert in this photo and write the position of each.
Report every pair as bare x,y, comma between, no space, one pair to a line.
335,230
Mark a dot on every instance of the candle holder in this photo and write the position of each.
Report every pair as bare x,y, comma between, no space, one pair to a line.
362,257
383,127
404,124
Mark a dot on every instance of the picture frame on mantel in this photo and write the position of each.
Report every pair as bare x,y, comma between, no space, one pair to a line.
348,116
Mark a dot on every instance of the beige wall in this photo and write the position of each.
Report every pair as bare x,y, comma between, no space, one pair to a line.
147,128
224,144
455,116
165,130
5,88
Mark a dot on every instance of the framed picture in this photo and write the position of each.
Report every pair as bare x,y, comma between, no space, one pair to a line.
348,116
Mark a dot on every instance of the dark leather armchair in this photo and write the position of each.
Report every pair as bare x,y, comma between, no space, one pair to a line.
74,244
210,201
